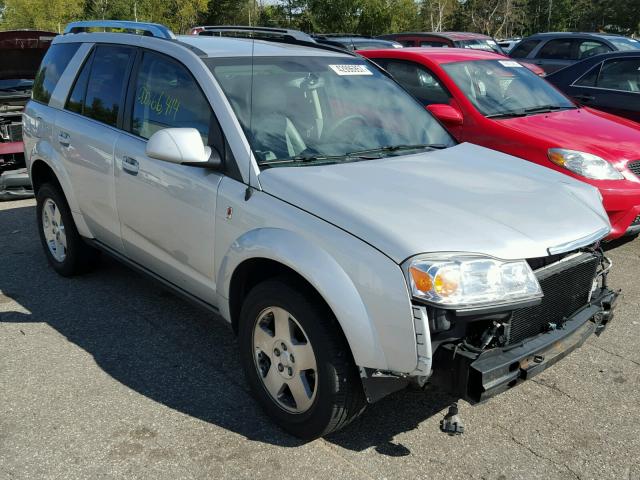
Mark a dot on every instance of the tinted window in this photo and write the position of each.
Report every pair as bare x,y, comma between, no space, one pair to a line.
620,75
590,78
421,83
105,88
407,43
75,102
166,95
524,48
432,43
560,49
589,48
51,69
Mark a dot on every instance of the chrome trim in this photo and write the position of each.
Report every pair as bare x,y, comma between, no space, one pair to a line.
580,242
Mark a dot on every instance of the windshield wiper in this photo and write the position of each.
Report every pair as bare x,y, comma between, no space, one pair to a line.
358,154
397,148
301,159
523,112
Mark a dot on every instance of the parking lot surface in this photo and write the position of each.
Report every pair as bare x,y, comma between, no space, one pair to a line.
109,376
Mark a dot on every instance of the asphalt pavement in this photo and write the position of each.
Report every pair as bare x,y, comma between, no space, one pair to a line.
107,375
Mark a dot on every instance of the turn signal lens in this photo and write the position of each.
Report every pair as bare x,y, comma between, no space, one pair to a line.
421,280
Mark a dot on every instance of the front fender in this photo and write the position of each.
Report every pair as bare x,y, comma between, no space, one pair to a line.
323,272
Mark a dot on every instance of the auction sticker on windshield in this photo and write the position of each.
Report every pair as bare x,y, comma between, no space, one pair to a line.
351,69
509,63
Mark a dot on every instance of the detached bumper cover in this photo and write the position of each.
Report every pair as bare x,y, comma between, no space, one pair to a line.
477,377
15,185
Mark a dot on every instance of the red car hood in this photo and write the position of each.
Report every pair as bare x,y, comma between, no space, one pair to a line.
610,137
22,51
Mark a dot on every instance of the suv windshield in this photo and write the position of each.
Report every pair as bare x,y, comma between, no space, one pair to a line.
623,43
316,110
504,88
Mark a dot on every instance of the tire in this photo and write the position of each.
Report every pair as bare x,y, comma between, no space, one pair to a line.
65,250
334,395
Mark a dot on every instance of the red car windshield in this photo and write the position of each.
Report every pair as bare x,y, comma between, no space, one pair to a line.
505,88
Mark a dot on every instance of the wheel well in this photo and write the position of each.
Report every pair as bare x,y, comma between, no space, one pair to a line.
256,270
42,173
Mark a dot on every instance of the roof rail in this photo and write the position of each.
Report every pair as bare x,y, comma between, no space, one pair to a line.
149,29
284,33
334,35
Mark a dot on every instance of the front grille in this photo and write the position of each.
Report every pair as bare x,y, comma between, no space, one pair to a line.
634,167
11,132
566,287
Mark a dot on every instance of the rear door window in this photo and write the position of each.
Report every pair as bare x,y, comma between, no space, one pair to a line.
559,49
98,92
166,95
620,74
51,69
523,49
105,88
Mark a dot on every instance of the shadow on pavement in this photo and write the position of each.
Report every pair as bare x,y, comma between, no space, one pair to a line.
164,348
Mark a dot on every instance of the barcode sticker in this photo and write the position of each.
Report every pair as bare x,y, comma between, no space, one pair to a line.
509,64
351,69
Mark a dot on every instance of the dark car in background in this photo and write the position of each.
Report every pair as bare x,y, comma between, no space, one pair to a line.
609,82
475,41
21,52
354,42
556,50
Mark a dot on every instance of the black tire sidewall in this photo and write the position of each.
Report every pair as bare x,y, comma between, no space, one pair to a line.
314,422
74,243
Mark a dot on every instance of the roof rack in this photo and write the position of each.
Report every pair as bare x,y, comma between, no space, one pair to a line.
277,35
284,33
147,29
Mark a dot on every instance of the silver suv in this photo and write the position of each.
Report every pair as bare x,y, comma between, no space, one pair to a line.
302,195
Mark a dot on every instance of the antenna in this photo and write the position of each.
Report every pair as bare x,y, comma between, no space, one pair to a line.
248,192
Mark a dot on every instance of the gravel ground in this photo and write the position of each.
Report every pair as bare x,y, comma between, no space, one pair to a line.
109,376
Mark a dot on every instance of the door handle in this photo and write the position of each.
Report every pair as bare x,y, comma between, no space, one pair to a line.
584,98
64,138
130,165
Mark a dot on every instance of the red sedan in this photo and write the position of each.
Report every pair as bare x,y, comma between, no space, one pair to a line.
486,99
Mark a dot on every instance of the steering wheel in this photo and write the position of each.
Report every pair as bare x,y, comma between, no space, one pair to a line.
343,121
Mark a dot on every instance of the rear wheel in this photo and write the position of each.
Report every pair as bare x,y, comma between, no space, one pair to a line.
63,246
297,361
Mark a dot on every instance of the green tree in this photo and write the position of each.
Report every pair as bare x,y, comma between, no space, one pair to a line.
41,14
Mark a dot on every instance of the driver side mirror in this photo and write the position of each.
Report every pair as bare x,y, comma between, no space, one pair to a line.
183,146
447,114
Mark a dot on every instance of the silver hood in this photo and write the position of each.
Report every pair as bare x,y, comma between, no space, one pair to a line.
466,198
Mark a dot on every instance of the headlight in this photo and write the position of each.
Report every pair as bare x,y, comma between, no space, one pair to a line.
585,164
465,281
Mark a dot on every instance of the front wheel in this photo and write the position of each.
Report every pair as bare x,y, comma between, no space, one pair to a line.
297,362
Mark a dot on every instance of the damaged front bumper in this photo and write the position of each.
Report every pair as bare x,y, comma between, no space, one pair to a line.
15,185
476,377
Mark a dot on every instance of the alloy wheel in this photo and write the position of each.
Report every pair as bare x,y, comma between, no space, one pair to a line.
285,360
54,232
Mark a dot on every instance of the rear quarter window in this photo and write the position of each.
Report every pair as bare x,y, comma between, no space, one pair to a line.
53,65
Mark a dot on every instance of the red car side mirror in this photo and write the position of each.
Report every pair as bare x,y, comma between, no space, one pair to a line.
447,114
